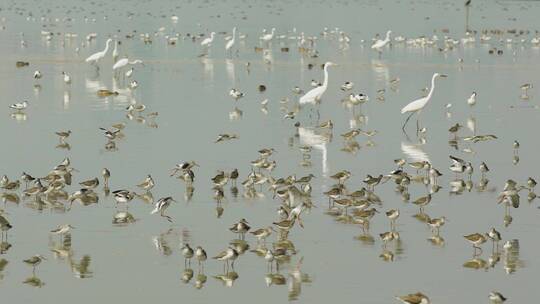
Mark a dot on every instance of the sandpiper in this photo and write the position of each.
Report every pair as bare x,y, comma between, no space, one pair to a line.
106,175
436,223
348,136
472,99
34,261
229,254
393,215
458,165
341,176
347,86
476,239
422,201
414,298
62,229
4,224
187,253
200,255
110,134
262,233
494,236
388,237
240,228
63,134
90,184
531,183
27,178
225,137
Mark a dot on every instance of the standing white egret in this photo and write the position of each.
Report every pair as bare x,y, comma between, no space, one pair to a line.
230,43
418,105
125,62
268,37
314,95
115,53
207,42
96,57
379,44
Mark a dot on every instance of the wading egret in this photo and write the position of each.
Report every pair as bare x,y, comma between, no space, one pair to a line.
95,58
230,43
315,94
207,42
419,104
124,62
379,44
268,37
115,53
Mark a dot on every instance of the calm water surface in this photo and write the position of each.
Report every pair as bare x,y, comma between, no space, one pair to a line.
141,262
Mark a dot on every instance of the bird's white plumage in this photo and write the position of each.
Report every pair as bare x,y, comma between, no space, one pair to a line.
230,43
315,94
96,57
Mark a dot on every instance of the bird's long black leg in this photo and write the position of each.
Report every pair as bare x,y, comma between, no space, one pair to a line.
406,121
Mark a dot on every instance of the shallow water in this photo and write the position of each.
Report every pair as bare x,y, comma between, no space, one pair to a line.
191,96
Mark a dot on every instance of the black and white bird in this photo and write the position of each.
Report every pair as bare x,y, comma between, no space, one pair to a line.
236,94
37,75
20,106
123,196
161,205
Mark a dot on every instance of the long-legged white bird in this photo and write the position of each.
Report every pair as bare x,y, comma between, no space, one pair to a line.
230,43
380,44
418,105
125,62
96,57
314,95
207,42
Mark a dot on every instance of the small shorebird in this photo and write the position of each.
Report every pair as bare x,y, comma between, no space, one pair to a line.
229,254
236,94
233,176
161,205
496,297
494,236
476,239
63,134
531,183
111,135
187,253
454,129
436,223
356,99
123,196
422,201
484,169
347,86
262,233
66,78
106,175
225,137
516,146
147,184
90,184
472,99
34,261
458,165
414,298
388,237
240,228
37,75
341,176
200,255
19,106
27,178
4,224
393,215
62,229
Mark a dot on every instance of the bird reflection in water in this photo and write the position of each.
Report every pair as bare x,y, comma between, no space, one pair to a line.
81,269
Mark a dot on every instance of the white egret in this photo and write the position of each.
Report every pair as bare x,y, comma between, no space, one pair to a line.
207,42
314,95
268,37
96,57
230,43
418,105
124,62
115,53
379,44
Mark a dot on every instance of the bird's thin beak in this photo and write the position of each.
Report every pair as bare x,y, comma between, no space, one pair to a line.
443,75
